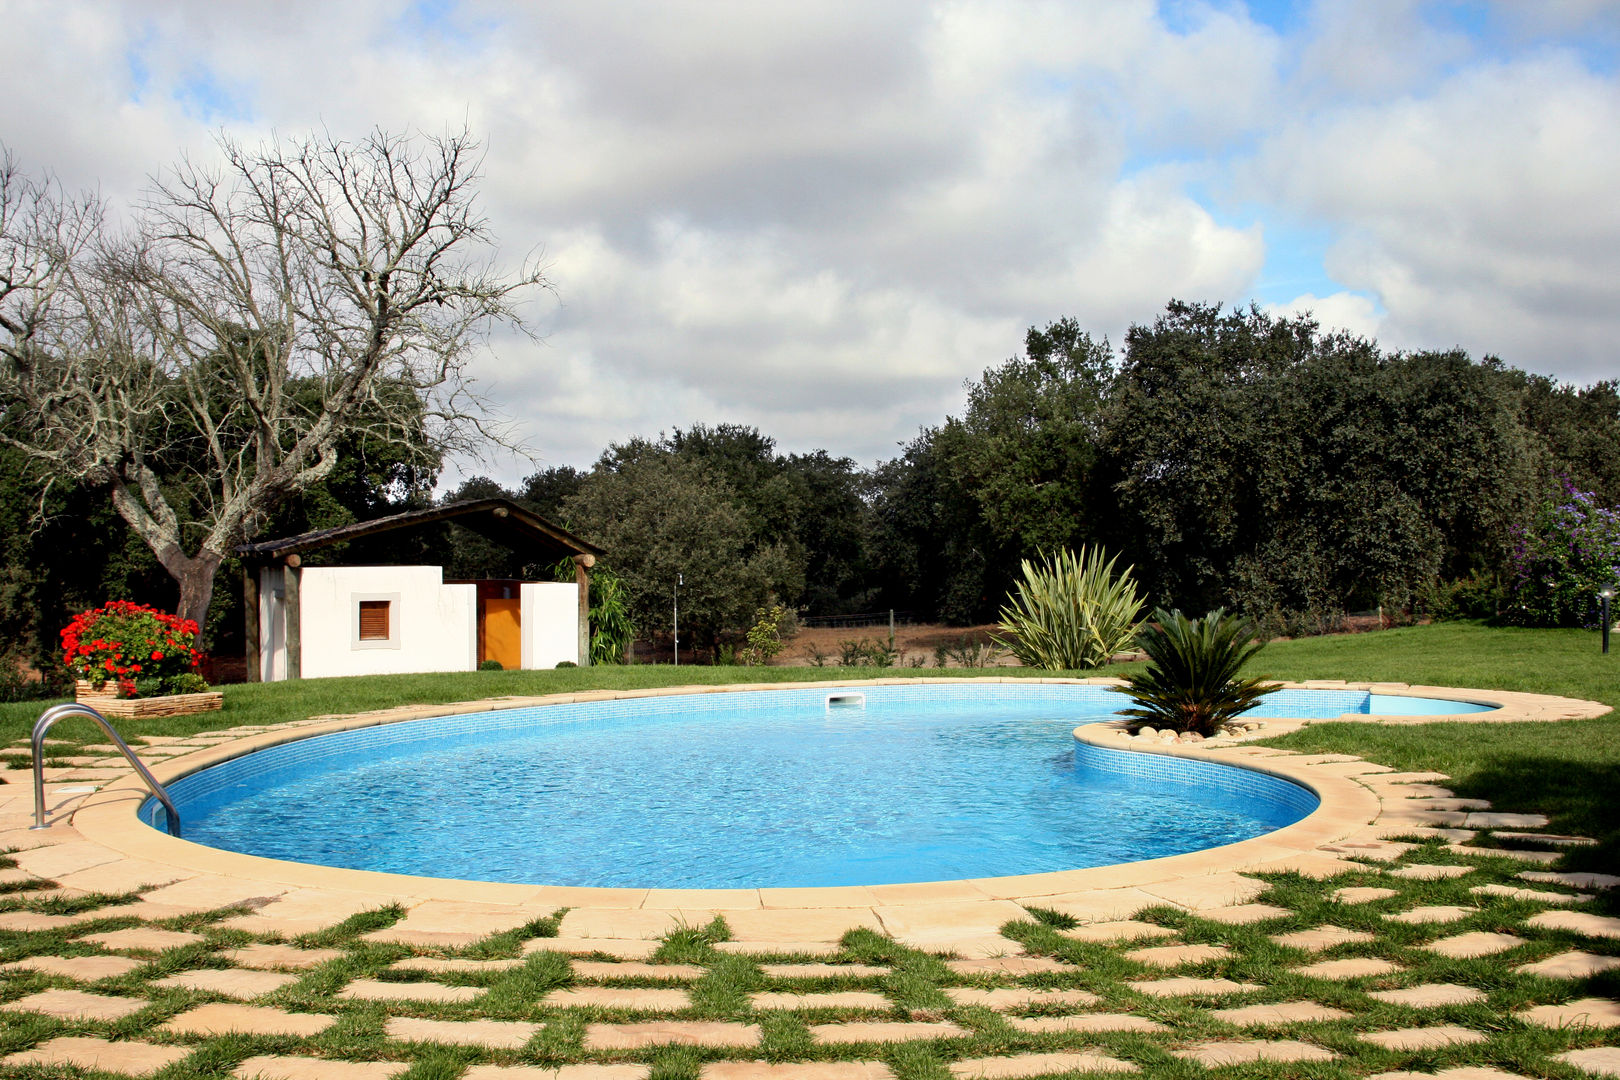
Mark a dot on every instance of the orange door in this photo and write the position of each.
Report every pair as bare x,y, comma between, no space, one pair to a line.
503,632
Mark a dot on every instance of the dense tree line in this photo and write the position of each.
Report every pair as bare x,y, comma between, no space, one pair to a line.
1233,457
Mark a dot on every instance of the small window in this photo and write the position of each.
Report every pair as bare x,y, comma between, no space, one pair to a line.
374,620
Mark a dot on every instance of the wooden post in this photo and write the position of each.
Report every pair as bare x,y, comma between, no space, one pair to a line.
250,618
295,630
582,578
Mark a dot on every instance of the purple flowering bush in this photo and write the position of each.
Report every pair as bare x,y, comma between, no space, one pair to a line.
1569,551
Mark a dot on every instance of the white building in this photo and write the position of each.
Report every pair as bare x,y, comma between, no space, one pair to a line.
317,621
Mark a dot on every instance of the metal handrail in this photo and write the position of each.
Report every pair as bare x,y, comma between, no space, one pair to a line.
74,708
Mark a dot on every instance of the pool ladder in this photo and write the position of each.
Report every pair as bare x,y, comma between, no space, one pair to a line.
74,708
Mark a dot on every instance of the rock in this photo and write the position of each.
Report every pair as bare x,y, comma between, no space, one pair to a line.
1192,736
1148,730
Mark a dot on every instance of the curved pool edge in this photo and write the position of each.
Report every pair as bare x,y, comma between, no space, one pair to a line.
108,818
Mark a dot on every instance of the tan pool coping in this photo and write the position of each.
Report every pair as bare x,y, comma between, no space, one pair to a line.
1354,810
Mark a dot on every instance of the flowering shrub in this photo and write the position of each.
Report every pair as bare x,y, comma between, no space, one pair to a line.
144,650
1560,561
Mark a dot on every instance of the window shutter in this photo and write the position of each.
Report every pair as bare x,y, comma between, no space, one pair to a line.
374,620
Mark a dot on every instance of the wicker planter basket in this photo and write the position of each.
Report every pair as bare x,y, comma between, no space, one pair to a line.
107,702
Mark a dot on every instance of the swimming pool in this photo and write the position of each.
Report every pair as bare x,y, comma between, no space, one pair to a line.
749,789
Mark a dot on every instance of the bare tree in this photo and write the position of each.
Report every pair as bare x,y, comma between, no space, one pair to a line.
253,317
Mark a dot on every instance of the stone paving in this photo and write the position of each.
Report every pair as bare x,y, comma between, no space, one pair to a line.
1394,947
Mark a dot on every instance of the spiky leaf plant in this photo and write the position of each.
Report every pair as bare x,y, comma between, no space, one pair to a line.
1191,682
1070,611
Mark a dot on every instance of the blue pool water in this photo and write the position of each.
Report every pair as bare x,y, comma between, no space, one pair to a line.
774,788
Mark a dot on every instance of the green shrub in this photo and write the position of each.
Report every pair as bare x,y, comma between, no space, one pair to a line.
490,665
1191,683
867,652
566,663
1070,611
765,636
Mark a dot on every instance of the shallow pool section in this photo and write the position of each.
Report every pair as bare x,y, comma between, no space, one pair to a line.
752,789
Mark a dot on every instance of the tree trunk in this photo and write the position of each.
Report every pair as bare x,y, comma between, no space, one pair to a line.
195,575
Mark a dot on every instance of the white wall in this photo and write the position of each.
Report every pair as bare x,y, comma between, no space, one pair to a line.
434,625
550,624
272,626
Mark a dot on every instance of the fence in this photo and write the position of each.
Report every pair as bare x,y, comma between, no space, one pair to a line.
869,618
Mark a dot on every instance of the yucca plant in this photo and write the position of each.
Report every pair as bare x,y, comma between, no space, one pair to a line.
1070,611
1191,683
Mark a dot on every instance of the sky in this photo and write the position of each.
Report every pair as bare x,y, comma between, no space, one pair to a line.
819,219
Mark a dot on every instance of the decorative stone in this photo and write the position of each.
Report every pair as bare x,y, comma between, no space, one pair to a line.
814,971
1444,913
1186,986
1287,1012
1429,996
1171,956
1117,930
1353,967
1571,965
230,982
1554,839
1323,937
435,965
220,1018
1479,943
1577,879
285,1067
1008,965
1604,1060
1423,1038
1005,999
1090,1022
1543,857
1430,872
598,969
1533,896
1023,1065
80,1052
1578,922
77,1005
270,957
791,1070
885,1031
144,939
561,1072
836,999
499,1034
82,968
374,990
1244,914
1587,1012
670,1032
1497,820
1360,895
1216,1053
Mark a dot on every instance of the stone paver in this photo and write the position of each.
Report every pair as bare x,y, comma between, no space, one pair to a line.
1351,967
1244,914
1430,872
230,982
1429,995
1023,1065
1587,1012
1461,1072
1209,891
1579,922
1542,857
601,969
1046,1025
1363,894
144,939
1575,879
885,1032
1603,1060
438,965
1318,938
1497,820
1554,839
375,990
285,1067
1423,1038
1118,930
1242,1051
500,1034
1534,896
622,948
836,999
82,968
791,1070
613,997
1186,986
773,947
1172,956
678,1032
1017,997
1439,913
562,1072
1478,943
1008,965
271,957
30,921
1571,965
219,1018
77,1005
1287,1012
814,971
80,1052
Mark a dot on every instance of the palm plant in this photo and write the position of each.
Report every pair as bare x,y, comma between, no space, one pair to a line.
1191,683
1070,611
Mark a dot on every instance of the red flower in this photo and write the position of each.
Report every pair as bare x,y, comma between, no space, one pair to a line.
157,655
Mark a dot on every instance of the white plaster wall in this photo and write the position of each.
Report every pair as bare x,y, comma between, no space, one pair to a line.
550,624
272,626
435,624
